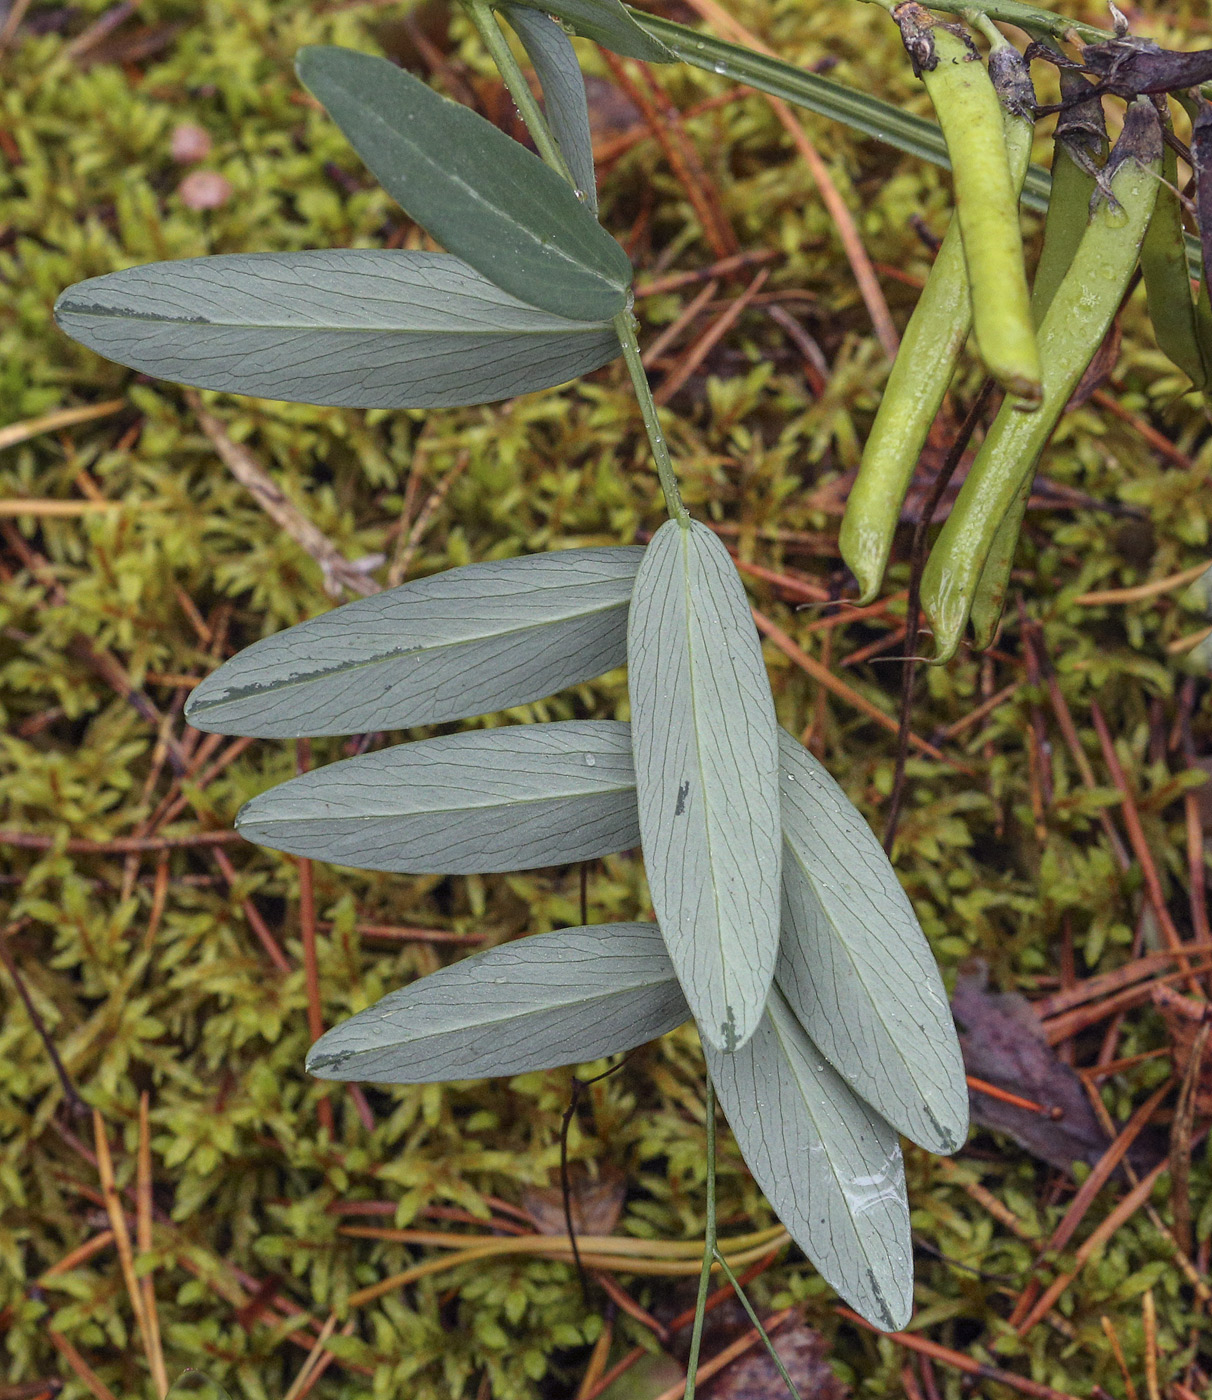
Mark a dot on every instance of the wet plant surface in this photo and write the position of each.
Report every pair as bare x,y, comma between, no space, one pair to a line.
1052,825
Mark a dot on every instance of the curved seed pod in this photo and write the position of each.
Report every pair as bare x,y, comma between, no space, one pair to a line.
1079,150
994,582
1071,332
1201,160
1163,261
986,202
925,363
1079,146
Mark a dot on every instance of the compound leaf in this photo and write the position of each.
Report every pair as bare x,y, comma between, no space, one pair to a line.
356,328
482,195
706,757
485,800
608,24
829,1165
855,966
549,1000
465,642
564,100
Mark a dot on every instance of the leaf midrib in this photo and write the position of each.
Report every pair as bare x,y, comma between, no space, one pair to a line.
570,328
520,1017
610,791
382,658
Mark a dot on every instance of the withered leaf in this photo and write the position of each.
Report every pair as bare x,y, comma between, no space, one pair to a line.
1004,1044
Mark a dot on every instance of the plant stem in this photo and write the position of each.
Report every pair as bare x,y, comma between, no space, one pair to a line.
519,89
709,1250
625,329
753,1317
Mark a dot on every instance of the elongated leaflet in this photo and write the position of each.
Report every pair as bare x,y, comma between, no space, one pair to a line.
1071,332
706,761
481,194
924,365
1079,143
460,643
986,200
1163,261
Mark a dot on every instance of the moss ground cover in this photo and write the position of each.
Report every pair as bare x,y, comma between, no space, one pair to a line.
180,970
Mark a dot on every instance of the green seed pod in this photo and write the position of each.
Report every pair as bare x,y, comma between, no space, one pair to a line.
1163,260
925,363
1072,331
986,202
1079,144
1079,149
994,582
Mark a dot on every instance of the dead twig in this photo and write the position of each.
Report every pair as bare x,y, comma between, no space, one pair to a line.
339,572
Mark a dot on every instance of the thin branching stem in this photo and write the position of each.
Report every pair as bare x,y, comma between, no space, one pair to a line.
536,123
753,1317
709,1250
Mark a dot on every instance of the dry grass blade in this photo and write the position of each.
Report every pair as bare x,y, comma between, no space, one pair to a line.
969,1365
665,123
81,1254
1141,591
1149,1317
1086,1193
408,547
1136,836
299,1385
1181,1133
61,417
1118,1352
623,1254
672,332
598,1357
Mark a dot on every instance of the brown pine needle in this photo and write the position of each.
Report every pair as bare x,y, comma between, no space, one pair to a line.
84,1372
852,244
824,676
1118,1352
706,343
126,1256
143,1236
1128,1207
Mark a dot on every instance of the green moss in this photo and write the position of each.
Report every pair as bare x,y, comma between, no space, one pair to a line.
246,1181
